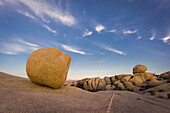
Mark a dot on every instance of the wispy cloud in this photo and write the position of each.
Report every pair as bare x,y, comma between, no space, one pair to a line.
112,31
129,32
74,50
1,3
17,46
87,33
46,11
165,39
112,50
27,14
99,28
153,36
139,37
49,29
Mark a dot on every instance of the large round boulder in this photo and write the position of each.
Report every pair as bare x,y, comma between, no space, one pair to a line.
139,69
48,66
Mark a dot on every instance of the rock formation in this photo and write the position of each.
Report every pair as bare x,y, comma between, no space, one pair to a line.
140,81
48,66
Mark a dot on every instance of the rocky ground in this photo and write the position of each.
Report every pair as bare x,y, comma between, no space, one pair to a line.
20,95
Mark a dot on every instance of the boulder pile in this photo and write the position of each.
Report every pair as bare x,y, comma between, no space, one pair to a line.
138,81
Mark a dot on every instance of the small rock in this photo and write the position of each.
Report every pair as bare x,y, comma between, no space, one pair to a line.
122,75
129,86
148,76
137,80
107,80
125,79
110,87
71,83
154,77
116,82
102,85
90,85
154,83
113,79
165,75
121,86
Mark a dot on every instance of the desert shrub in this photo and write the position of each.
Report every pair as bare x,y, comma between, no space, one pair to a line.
138,99
160,96
159,79
161,90
116,87
131,77
152,92
168,95
168,81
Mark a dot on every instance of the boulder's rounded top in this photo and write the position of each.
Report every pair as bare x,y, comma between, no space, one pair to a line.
139,68
48,66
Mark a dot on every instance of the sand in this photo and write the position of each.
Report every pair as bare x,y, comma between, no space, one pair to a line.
21,95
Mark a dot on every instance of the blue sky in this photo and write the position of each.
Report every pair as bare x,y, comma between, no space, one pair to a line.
103,37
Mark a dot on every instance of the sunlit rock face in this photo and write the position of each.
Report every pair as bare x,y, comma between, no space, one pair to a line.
48,66
139,69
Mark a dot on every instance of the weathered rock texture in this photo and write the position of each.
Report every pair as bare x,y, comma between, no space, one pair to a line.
48,66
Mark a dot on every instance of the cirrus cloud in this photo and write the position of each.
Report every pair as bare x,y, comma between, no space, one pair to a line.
43,10
73,49
17,46
112,50
165,39
129,31
87,33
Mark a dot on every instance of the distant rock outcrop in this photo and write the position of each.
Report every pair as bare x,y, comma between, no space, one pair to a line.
165,75
139,81
48,66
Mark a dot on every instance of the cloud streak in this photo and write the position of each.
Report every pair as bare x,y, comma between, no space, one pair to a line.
87,33
27,14
112,31
49,29
99,28
74,50
112,50
153,36
165,39
129,32
139,37
17,46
